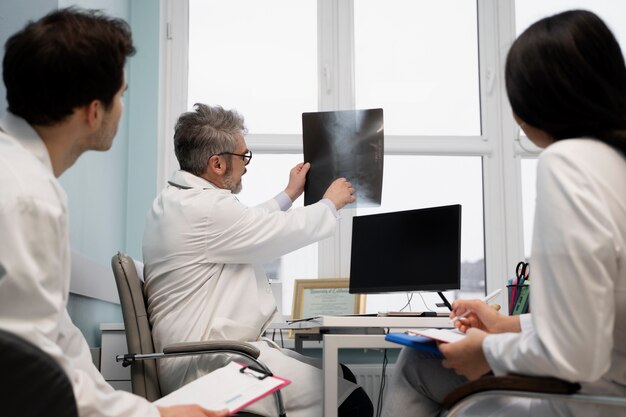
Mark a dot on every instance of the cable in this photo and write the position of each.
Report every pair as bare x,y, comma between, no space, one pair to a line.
409,297
301,320
424,301
379,405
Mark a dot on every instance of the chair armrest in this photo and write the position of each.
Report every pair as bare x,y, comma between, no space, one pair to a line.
510,383
194,348
213,345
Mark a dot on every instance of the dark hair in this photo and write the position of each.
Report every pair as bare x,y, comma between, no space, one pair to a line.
207,131
565,75
65,60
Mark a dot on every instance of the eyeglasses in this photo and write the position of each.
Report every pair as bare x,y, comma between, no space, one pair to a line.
247,157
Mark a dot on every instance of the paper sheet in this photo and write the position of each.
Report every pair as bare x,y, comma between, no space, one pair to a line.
442,335
224,388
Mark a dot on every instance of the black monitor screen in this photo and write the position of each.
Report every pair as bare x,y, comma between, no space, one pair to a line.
403,251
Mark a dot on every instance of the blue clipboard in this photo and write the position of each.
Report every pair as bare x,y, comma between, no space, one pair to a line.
422,343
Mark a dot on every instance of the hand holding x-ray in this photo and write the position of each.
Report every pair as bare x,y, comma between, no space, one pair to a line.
297,179
340,193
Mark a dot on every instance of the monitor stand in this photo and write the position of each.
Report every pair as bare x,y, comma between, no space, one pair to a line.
445,303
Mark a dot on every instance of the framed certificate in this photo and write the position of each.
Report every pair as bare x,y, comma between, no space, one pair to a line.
325,297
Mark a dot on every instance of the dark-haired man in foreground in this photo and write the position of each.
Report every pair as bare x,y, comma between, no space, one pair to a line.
64,76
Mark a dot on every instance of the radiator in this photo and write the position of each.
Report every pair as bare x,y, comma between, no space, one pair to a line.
369,377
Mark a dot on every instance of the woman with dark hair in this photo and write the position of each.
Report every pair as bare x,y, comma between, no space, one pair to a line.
566,81
565,76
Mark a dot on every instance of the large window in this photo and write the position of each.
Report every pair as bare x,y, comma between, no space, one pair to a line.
433,66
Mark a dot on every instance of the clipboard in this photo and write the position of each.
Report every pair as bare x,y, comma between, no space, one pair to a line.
232,387
423,343
425,339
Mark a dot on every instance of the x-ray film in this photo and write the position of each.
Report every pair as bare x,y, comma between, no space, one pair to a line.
346,143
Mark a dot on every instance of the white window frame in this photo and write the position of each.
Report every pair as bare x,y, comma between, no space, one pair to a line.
499,145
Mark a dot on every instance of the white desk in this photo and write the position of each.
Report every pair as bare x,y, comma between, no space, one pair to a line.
381,322
335,341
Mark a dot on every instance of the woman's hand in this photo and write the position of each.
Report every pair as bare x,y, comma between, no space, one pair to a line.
466,356
484,317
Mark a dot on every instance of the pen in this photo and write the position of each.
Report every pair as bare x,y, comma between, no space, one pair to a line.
485,299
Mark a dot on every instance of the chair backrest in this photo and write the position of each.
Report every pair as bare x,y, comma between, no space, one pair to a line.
144,377
31,382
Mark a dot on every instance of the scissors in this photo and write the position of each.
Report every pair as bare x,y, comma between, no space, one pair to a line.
521,274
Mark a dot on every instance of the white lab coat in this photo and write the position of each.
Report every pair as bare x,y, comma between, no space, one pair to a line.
576,330
35,271
202,249
578,277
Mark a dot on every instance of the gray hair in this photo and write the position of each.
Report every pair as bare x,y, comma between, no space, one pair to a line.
207,131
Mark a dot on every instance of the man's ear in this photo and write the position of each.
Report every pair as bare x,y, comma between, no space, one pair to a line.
216,166
94,112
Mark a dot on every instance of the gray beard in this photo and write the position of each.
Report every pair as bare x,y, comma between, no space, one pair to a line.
234,188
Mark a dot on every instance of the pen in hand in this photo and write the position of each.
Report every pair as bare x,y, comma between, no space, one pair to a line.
485,299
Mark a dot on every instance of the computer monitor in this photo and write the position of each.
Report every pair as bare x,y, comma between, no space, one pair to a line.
406,251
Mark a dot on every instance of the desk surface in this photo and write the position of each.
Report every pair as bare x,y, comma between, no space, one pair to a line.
363,321
374,321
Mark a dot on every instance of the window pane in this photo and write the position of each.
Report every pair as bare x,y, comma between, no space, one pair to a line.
418,60
274,169
411,182
259,57
529,194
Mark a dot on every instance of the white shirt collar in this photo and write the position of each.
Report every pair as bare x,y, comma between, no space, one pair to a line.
186,179
20,130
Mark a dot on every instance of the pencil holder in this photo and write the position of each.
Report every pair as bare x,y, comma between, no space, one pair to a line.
519,297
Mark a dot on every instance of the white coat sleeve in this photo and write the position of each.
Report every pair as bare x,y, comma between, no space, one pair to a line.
33,294
572,303
240,234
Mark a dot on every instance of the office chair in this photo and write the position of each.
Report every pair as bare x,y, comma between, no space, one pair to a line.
32,384
142,359
459,401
